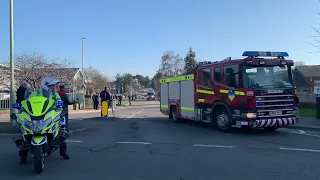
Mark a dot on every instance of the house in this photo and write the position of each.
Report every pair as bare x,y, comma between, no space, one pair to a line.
5,80
303,79
72,77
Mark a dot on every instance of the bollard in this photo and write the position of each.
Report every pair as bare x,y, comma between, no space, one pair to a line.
318,107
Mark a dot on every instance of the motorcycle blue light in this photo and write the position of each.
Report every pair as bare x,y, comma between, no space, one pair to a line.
16,105
60,103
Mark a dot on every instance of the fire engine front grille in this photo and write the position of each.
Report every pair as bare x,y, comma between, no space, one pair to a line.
271,106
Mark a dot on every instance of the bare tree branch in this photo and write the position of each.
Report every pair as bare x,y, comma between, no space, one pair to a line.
316,37
96,81
32,67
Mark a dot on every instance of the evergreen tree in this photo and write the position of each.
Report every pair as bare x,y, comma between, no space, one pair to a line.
190,62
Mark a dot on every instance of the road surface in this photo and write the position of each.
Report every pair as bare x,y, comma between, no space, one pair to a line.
144,145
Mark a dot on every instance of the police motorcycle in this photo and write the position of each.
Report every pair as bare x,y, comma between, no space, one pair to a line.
42,128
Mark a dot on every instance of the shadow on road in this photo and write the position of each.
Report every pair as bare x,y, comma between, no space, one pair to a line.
207,126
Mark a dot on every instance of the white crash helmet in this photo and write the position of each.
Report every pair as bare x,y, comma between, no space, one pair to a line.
49,81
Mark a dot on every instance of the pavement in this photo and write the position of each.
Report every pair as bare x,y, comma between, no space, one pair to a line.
142,144
307,123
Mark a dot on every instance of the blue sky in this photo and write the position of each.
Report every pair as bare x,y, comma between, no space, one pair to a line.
131,35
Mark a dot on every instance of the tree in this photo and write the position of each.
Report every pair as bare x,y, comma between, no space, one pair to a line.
190,62
125,81
155,81
32,67
299,63
96,81
171,64
5,78
316,37
144,81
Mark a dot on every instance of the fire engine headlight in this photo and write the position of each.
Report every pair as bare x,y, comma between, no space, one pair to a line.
249,115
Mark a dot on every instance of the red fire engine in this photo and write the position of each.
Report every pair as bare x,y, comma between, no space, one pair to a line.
253,92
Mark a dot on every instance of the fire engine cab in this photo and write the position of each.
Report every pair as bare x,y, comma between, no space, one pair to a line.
254,92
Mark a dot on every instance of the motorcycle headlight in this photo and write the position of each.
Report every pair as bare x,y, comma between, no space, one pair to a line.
37,126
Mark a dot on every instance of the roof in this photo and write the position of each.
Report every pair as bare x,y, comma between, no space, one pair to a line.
8,67
66,72
309,70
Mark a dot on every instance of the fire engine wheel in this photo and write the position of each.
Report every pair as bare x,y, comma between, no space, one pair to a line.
174,114
222,121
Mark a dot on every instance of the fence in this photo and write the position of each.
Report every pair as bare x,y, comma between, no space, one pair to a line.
5,103
306,97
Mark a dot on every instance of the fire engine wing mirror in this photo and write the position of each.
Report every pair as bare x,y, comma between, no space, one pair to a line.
229,71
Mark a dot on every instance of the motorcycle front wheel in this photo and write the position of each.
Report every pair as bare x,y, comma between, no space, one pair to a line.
38,159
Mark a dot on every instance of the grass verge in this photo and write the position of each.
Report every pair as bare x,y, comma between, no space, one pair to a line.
307,112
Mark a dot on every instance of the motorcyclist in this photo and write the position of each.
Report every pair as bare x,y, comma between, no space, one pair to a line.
48,85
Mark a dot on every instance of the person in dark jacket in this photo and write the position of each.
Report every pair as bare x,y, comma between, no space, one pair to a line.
21,92
95,99
64,98
66,101
104,96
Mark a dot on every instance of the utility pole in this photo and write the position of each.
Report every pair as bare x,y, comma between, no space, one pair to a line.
12,79
83,86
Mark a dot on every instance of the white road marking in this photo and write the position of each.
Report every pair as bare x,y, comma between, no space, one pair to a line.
146,143
211,145
129,117
73,141
301,131
305,134
133,114
298,149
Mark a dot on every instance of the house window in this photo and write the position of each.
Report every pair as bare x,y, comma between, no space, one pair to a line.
231,75
205,76
217,74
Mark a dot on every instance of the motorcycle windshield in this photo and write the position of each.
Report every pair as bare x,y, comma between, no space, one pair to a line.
38,103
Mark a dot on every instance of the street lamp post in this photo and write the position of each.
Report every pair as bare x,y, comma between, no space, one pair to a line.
84,99
12,80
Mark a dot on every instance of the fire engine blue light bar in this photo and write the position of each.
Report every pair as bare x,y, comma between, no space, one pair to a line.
265,54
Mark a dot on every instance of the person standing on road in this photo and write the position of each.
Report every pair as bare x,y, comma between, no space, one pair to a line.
104,96
95,99
64,98
120,99
129,98
21,91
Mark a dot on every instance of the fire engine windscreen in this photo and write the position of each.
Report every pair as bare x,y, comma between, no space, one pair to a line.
267,76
